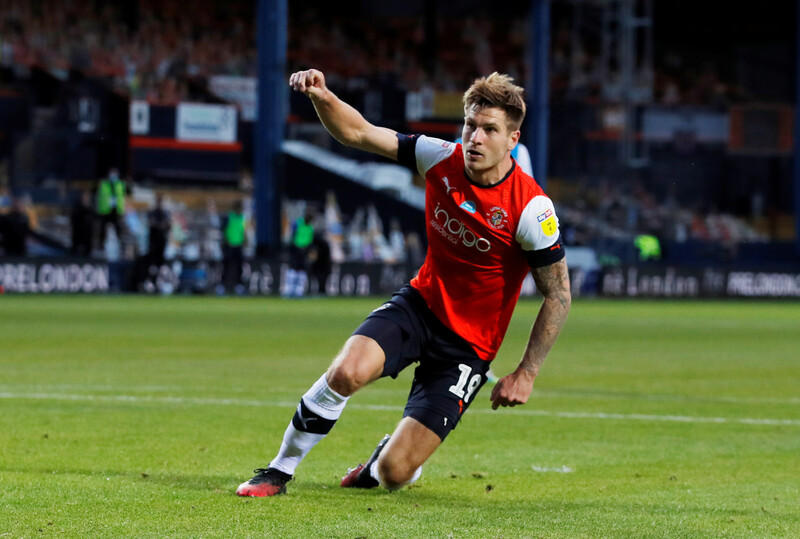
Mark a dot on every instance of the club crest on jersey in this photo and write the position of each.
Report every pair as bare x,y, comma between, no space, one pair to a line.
497,218
468,206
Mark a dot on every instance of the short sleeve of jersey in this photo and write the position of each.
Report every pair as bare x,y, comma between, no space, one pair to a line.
422,153
406,150
538,233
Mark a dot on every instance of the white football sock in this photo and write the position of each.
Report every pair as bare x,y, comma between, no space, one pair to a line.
316,414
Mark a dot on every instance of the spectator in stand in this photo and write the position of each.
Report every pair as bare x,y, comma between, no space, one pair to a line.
397,241
111,193
415,250
320,262
159,224
333,228
299,250
15,228
648,246
212,232
355,236
82,221
374,221
233,236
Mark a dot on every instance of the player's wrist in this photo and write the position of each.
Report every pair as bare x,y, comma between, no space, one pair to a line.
320,96
529,371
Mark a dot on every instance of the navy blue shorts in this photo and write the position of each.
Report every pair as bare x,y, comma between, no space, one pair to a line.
449,374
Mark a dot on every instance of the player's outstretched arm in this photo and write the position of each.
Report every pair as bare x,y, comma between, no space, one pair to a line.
341,120
553,282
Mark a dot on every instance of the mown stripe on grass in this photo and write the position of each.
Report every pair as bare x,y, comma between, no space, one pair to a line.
380,407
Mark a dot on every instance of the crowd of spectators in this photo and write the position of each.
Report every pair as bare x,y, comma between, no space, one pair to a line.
396,50
151,50
192,231
361,237
154,49
577,71
619,212
357,52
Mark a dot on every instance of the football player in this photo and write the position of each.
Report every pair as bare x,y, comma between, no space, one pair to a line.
488,225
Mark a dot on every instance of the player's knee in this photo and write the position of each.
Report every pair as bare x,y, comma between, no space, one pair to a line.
347,377
394,473
360,362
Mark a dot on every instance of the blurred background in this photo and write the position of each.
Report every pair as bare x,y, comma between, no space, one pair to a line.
150,146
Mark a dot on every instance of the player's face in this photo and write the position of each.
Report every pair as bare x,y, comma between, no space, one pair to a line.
486,139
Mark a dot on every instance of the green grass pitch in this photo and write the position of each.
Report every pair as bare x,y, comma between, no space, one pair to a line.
130,416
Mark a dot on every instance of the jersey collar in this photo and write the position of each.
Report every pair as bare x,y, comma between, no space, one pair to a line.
508,175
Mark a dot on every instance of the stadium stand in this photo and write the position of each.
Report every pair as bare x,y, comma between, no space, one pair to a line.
65,91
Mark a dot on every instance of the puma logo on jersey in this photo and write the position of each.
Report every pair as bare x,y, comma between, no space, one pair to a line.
446,181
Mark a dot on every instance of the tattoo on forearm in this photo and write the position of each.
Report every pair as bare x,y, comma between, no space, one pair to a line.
553,282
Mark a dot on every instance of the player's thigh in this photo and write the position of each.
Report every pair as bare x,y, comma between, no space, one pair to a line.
443,390
411,444
359,363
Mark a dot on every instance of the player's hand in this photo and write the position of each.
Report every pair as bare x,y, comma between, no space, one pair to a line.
513,389
311,82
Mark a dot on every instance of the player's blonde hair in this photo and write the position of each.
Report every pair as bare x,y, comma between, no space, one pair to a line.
498,90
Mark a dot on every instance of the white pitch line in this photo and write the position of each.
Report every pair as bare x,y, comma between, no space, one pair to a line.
144,398
666,418
551,393
537,394
383,407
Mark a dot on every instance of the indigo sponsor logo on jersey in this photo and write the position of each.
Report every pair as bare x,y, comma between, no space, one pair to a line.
456,232
468,206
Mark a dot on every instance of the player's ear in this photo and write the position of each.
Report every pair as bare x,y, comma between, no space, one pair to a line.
513,139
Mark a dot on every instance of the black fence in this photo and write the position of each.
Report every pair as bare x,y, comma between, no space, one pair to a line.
266,278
